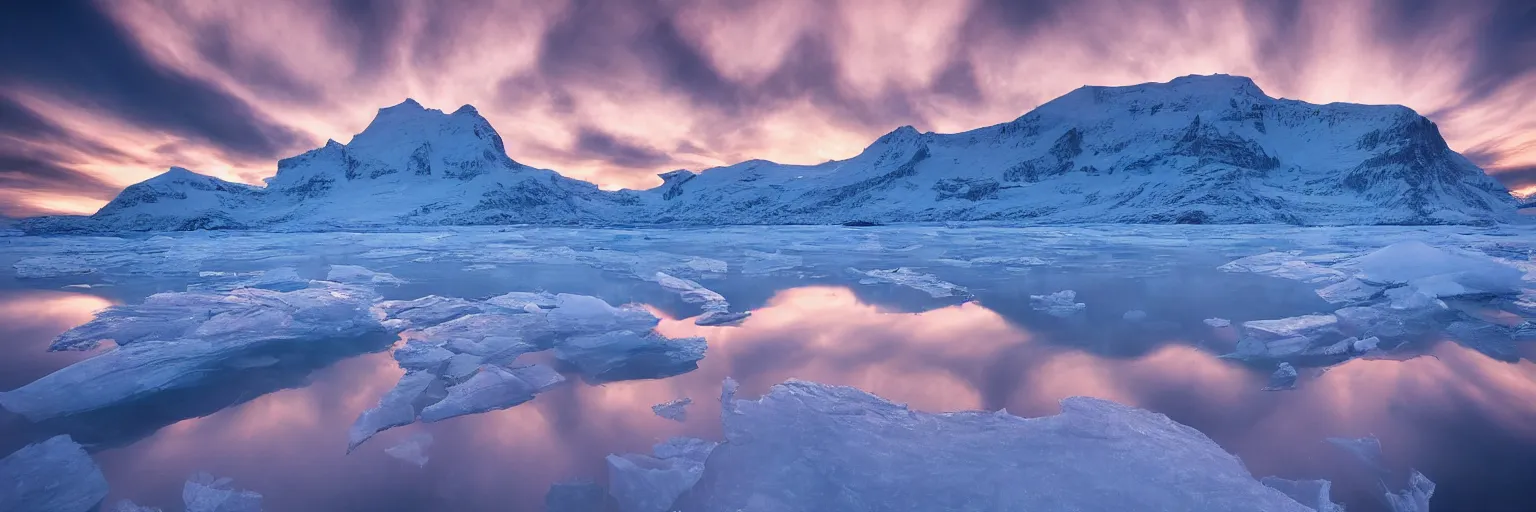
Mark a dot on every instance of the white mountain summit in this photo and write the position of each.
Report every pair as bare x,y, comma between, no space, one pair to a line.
1198,149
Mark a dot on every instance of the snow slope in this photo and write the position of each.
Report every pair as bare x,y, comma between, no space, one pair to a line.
1198,149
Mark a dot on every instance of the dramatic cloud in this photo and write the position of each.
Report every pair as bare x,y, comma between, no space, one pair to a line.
95,96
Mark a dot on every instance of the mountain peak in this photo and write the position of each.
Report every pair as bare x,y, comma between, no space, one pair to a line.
467,109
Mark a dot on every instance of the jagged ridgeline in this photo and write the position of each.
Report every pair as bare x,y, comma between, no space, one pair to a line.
1196,150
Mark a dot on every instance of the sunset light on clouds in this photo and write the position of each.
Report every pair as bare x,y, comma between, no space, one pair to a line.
615,92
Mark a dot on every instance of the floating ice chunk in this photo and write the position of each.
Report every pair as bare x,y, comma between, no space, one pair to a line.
926,283
1308,326
581,314
628,355
1011,261
426,311
575,496
728,388
496,338
1349,291
1134,315
717,311
245,315
704,265
1416,497
1286,265
1218,322
1095,455
52,476
714,318
353,274
1366,449
281,279
129,506
1448,271
57,265
413,449
1315,494
1284,378
1365,345
759,263
520,301
676,410
1060,304
1413,297
203,493
645,483
420,355
399,407
493,388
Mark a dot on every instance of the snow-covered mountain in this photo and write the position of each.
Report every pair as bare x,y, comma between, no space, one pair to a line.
1198,149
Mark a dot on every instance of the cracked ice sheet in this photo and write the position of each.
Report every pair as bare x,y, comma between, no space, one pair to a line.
1095,455
630,355
904,276
52,476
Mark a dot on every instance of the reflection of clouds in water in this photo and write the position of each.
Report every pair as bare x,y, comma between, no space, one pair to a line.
31,320
291,443
49,310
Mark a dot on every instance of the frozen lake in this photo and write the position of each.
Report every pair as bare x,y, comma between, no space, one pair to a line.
940,318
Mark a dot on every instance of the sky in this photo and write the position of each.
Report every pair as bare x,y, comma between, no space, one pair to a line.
95,96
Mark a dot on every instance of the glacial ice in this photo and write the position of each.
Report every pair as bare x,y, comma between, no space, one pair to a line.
492,388
717,311
1284,378
1218,322
581,314
1315,494
1306,326
243,316
903,276
1349,291
413,449
630,355
353,274
55,475
652,483
180,340
1415,498
1060,304
204,493
1285,265
420,355
807,446
398,407
426,311
675,410
1445,271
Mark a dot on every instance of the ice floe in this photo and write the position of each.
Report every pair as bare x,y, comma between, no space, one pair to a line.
1095,455
55,475
1217,323
492,388
630,355
399,407
184,339
1284,378
717,311
652,483
353,274
1060,304
675,410
1415,498
903,276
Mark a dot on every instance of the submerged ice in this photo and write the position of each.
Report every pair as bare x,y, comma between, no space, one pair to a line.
55,475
